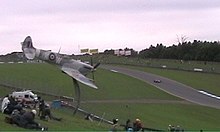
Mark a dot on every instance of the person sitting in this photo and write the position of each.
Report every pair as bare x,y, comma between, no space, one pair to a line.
88,117
114,125
128,126
5,103
9,104
46,113
171,128
25,120
137,125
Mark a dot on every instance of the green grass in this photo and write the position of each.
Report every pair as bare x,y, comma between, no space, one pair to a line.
118,86
4,126
69,123
213,67
200,81
112,86
47,78
42,77
190,117
4,91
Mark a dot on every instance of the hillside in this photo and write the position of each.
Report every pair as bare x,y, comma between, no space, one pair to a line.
118,96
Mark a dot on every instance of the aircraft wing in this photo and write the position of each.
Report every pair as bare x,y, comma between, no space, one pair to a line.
79,77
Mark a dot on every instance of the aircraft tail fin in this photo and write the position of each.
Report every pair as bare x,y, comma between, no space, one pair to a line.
28,49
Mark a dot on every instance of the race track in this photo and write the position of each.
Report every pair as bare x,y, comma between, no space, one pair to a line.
170,86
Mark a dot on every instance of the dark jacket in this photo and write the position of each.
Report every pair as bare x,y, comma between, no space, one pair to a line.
28,118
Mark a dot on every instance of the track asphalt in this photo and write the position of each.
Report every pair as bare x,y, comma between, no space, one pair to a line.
170,86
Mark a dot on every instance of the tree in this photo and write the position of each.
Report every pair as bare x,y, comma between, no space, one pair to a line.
196,50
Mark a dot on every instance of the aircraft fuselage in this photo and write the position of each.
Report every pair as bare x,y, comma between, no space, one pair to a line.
57,59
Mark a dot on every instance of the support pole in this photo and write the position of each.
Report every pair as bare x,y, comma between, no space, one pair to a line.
76,100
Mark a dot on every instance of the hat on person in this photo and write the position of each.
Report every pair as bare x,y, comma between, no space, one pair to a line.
34,112
138,120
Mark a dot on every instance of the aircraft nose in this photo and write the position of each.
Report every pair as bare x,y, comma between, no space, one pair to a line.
87,67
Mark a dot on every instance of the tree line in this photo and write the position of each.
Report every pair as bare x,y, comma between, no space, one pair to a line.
196,50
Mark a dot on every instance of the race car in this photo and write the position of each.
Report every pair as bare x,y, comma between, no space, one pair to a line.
157,81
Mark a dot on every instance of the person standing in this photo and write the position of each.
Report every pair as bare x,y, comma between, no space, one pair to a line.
41,107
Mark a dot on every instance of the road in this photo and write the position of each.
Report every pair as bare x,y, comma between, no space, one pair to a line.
170,86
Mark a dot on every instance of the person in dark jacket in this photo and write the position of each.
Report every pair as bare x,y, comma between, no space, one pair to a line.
114,125
41,107
46,114
27,121
12,104
128,126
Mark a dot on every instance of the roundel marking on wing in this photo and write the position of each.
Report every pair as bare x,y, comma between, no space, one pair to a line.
52,56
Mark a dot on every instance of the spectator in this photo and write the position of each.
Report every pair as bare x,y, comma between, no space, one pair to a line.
26,120
9,104
46,113
5,103
137,125
115,121
114,125
88,117
171,128
179,129
128,126
41,106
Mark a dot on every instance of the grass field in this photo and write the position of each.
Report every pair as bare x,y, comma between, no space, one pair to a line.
68,123
213,67
113,87
201,81
190,117
48,78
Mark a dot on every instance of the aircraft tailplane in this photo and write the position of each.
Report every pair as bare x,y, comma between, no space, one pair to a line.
28,49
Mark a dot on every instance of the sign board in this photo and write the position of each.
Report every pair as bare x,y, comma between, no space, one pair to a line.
93,51
127,53
84,50
122,52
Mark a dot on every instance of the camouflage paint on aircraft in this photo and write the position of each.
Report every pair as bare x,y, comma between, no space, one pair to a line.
76,69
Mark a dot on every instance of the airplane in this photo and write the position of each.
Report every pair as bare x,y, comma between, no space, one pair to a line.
74,68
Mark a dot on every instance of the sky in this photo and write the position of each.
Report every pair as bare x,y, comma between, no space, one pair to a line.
105,24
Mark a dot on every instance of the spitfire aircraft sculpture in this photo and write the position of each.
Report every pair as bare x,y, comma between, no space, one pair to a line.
77,70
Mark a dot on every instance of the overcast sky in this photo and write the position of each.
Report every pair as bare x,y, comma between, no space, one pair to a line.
105,24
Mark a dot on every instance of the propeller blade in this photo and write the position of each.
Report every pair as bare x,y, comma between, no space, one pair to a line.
91,61
59,49
97,65
93,77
